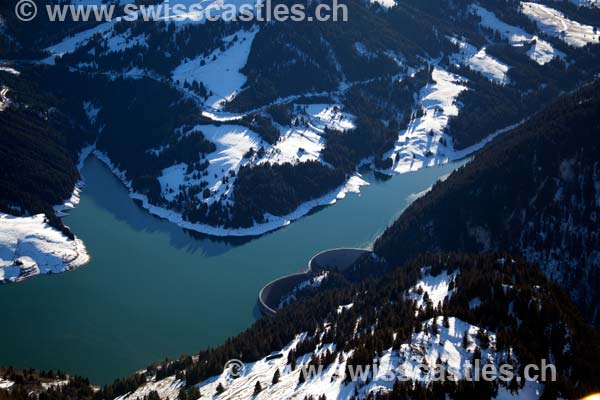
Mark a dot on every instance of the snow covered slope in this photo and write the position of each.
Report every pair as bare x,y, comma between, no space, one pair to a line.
421,144
431,290
238,145
478,60
29,246
220,71
541,51
202,64
424,348
555,23
447,344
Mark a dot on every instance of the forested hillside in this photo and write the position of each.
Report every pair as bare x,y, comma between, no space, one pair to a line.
500,309
534,191
40,139
192,114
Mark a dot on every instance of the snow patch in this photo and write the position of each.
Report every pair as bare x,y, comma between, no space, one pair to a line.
329,116
345,307
305,142
220,72
384,3
427,347
478,60
434,288
70,44
554,23
10,70
540,51
6,384
91,111
167,388
420,144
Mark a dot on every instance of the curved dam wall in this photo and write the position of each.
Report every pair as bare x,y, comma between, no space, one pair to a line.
334,259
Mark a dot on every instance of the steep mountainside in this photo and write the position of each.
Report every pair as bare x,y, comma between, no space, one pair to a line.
437,313
194,115
40,140
534,191
39,147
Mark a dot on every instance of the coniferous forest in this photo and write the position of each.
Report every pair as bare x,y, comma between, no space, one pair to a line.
240,128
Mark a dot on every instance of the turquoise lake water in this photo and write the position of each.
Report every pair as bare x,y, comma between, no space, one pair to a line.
153,290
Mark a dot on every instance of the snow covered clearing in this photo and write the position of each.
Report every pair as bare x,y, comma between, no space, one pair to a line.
6,384
362,50
167,388
295,145
419,144
10,70
431,289
29,246
540,50
305,143
426,347
233,142
385,3
554,23
329,116
478,60
220,71
417,147
114,42
54,384
118,42
71,43
344,307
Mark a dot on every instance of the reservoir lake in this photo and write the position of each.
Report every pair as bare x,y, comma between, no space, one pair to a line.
153,290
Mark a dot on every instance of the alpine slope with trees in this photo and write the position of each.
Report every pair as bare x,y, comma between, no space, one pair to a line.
403,311
444,312
192,116
534,191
